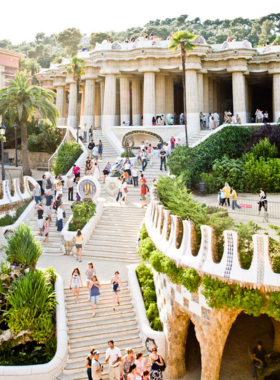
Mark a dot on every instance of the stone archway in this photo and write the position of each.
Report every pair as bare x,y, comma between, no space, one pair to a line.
143,135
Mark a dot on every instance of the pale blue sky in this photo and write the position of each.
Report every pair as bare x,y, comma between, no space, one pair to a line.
22,19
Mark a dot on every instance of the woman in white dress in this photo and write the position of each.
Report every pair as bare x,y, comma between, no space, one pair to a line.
96,171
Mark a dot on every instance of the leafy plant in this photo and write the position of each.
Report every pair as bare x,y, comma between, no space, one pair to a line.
32,304
145,248
190,280
143,234
46,141
245,240
6,220
127,154
22,247
83,211
264,149
68,154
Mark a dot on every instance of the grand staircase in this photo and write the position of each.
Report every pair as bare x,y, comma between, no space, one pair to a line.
86,332
203,133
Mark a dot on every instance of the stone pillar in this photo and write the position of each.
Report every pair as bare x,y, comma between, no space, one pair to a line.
160,95
60,104
169,95
219,108
109,114
81,114
118,103
200,91
89,106
247,107
192,103
215,100
136,102
102,92
238,95
212,336
210,89
149,101
72,110
97,107
206,98
276,97
124,99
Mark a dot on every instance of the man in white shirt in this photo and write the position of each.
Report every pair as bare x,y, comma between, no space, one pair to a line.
216,119
233,119
114,357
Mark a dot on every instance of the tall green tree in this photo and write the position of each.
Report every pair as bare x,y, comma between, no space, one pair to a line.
99,37
76,67
18,102
69,39
183,41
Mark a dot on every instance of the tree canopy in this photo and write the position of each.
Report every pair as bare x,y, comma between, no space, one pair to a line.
46,49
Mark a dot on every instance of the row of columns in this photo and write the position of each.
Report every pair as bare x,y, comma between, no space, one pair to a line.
203,94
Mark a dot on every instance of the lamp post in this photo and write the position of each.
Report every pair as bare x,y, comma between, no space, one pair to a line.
15,127
2,133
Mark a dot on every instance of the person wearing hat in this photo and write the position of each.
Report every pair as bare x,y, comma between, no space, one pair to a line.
96,367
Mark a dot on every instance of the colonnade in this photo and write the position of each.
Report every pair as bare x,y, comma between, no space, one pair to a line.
112,99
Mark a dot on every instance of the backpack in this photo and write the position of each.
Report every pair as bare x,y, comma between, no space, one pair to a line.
164,365
54,205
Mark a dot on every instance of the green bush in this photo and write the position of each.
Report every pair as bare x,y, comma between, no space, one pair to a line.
245,239
191,162
146,282
68,154
145,248
22,208
143,234
46,141
22,247
190,280
32,305
127,154
7,220
83,211
264,149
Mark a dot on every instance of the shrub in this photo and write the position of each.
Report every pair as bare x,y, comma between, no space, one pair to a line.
264,149
146,282
22,247
46,141
145,248
82,213
143,234
127,154
245,240
68,154
32,304
6,220
22,208
190,279
271,132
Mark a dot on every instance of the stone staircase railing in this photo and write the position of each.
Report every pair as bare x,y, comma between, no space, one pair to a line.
167,230
19,191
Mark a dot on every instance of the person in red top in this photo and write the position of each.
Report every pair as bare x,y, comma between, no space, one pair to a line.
143,193
172,142
142,180
77,172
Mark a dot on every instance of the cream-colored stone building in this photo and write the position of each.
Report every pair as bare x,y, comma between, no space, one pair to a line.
138,81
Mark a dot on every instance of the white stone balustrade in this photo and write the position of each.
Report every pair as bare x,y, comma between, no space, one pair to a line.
18,195
163,229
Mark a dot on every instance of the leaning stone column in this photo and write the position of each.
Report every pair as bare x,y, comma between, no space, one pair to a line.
192,103
97,120
206,98
102,92
200,91
89,102
276,97
72,110
169,95
160,95
136,102
60,104
149,106
125,99
109,113
238,92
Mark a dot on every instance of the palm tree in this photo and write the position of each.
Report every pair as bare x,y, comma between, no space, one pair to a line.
18,102
76,67
183,40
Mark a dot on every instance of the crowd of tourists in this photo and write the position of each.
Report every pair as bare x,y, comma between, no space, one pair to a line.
130,367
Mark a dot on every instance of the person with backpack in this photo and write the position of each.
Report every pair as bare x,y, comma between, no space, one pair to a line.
143,192
91,145
157,365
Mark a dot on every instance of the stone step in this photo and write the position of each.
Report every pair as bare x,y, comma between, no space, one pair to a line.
98,244
84,295
100,308
108,300
104,317
106,285
114,257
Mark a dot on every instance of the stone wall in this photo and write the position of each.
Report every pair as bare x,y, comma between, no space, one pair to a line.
35,158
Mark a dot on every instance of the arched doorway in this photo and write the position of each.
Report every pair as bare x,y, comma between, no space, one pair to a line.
193,355
243,336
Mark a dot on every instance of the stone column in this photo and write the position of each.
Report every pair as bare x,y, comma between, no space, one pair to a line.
247,107
169,95
97,120
125,99
149,101
192,103
276,97
215,100
200,91
118,103
81,114
102,92
136,102
160,95
210,89
206,98
89,102
109,113
72,110
219,108
238,95
60,104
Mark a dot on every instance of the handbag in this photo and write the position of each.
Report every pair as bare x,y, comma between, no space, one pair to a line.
64,214
125,190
